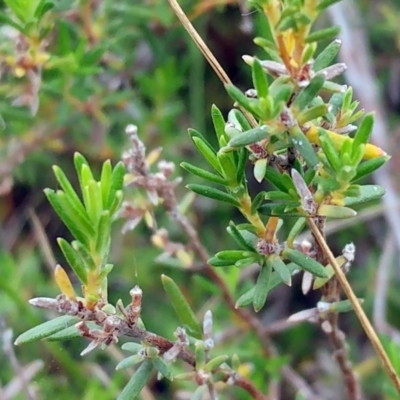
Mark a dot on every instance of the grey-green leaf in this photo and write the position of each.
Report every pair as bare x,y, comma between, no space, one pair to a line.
182,307
46,329
137,381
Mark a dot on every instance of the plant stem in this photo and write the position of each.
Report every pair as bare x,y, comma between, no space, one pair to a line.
368,328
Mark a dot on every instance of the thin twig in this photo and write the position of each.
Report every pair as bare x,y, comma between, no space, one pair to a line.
369,330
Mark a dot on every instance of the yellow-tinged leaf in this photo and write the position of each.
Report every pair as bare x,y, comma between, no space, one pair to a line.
371,151
64,283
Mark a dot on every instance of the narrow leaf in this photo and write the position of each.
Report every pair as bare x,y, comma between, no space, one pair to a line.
218,122
249,137
70,191
71,332
73,259
117,182
103,233
241,166
332,211
367,193
323,34
238,96
46,329
305,262
202,173
105,179
307,95
364,132
162,367
238,237
63,209
303,146
137,381
259,79
368,167
281,269
213,193
327,55
262,287
208,153
181,306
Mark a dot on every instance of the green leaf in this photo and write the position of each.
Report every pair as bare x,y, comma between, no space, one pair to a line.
116,204
70,192
239,120
276,195
46,329
85,173
239,97
132,347
281,269
332,211
83,253
367,193
228,166
23,9
71,332
117,182
343,306
93,200
105,181
309,114
217,262
43,7
305,262
323,34
303,146
162,367
307,94
241,166
213,193
137,381
103,236
208,153
262,287
73,259
327,55
182,307
215,362
259,79
296,230
6,20
77,226
325,4
218,122
129,362
231,255
329,150
368,167
239,238
249,137
363,133
202,173
275,178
